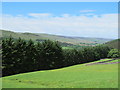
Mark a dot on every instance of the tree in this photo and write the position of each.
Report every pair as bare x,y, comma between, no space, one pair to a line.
51,54
7,55
114,53
19,55
101,51
38,56
29,58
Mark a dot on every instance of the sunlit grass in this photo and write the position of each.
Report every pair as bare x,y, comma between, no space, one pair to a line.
78,76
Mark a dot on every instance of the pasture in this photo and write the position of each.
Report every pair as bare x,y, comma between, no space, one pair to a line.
77,76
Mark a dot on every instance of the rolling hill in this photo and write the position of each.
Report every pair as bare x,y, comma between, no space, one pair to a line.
64,40
114,43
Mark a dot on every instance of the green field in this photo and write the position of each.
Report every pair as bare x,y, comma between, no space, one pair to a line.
107,60
67,48
77,76
82,41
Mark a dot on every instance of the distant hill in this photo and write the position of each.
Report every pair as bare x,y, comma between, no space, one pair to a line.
65,40
114,43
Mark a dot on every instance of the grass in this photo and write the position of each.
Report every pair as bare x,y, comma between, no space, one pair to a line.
78,76
67,48
102,60
43,36
0,83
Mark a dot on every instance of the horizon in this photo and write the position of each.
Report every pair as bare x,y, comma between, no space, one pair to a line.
58,35
75,19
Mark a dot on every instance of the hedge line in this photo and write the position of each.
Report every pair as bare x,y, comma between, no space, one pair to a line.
19,56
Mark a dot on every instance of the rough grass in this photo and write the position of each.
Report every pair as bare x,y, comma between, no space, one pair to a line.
78,76
67,48
0,83
105,61
65,39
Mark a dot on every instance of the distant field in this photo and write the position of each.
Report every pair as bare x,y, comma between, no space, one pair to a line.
113,43
82,41
67,48
74,47
78,76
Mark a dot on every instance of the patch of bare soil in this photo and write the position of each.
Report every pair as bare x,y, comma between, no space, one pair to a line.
103,62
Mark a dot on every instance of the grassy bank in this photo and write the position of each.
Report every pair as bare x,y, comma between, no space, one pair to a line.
78,76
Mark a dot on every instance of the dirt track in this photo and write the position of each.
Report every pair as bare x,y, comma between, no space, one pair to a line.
104,62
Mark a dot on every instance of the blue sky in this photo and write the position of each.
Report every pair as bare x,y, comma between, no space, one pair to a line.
58,8
83,19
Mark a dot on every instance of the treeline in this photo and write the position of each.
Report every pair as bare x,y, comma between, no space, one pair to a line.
19,56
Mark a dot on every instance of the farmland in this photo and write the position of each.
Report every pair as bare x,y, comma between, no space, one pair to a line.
57,64
64,40
77,76
59,45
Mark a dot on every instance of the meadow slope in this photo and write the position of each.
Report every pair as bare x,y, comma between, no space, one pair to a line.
78,76
64,39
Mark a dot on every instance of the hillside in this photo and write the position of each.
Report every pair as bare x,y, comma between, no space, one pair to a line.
114,43
99,74
65,40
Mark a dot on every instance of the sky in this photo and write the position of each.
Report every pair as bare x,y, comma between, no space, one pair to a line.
81,19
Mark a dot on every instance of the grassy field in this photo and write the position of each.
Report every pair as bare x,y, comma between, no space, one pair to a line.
106,60
78,76
67,48
64,39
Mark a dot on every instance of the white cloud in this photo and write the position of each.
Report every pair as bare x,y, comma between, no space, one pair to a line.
40,15
105,26
87,11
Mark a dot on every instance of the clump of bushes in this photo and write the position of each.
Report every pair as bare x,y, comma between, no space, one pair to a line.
114,53
19,56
